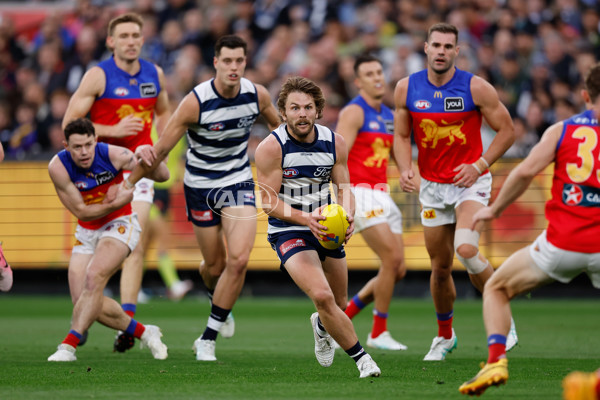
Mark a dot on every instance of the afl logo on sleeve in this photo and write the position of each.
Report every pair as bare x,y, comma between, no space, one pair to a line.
148,90
454,104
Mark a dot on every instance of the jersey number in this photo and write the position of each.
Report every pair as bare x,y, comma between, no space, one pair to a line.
584,152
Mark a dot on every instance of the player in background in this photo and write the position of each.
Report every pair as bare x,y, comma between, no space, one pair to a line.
86,176
568,246
444,107
367,127
295,165
217,117
582,386
124,95
6,274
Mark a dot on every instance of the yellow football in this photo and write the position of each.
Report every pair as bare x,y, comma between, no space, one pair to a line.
336,223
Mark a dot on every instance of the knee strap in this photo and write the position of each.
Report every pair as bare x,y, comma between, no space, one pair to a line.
474,265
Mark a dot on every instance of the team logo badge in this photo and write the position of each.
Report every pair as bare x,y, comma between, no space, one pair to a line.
373,125
121,229
434,132
219,126
429,214
422,105
572,195
121,92
290,173
81,185
454,104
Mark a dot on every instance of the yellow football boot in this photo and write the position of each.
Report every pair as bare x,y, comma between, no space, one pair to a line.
494,374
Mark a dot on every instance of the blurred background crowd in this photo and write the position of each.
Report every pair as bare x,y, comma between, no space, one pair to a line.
534,52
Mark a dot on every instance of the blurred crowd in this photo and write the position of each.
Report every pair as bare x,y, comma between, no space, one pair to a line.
534,52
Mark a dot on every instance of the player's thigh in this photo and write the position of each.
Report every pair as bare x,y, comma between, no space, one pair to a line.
77,267
439,242
386,244
239,228
518,274
306,270
465,212
336,273
109,255
210,241
142,209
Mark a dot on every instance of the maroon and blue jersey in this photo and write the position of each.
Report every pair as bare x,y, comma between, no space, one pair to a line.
446,124
125,95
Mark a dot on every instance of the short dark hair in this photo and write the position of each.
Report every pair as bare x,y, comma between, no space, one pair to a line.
443,27
592,82
301,85
121,19
364,58
79,126
231,42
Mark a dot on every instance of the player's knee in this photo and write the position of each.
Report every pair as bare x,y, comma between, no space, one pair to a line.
342,302
466,243
323,299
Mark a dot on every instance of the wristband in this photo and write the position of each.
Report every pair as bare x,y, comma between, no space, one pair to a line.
474,165
487,165
128,185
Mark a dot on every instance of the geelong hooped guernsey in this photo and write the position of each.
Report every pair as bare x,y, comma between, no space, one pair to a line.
306,174
125,95
218,143
446,124
368,158
573,212
93,183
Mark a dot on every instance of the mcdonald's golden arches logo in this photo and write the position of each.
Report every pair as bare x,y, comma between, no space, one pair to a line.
437,94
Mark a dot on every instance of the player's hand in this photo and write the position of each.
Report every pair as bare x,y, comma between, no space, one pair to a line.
146,154
111,194
483,214
408,182
318,230
128,126
350,229
466,175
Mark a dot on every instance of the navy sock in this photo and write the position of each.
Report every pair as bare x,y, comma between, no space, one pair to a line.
356,352
216,319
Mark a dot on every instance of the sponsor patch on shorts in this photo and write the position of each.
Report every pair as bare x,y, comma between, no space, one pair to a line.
429,214
290,244
203,215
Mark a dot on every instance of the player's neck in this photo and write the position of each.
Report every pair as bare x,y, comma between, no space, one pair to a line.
131,67
371,101
438,79
226,91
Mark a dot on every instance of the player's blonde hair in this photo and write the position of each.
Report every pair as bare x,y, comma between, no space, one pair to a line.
121,19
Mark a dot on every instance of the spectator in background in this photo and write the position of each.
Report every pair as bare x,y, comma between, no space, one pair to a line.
53,31
173,10
50,67
86,55
24,137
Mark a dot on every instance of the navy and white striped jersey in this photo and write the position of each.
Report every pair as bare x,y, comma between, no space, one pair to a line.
218,143
306,174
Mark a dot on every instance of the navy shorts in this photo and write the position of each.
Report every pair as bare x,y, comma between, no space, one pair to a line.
286,244
204,206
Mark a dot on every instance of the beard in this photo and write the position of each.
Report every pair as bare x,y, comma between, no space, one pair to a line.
301,132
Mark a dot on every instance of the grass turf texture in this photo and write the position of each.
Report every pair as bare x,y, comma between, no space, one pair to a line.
271,355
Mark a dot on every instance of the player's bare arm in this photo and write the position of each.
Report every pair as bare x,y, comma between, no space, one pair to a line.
186,114
267,109
71,198
162,108
341,182
520,177
402,146
269,176
349,122
92,85
498,118
123,158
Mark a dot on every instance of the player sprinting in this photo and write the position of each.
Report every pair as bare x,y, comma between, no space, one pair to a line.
568,246
124,95
86,176
6,274
295,165
367,127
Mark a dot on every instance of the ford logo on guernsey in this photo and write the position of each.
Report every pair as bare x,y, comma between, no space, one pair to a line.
290,172
219,126
422,104
121,92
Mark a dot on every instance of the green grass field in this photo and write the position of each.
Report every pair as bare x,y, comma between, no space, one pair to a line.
271,355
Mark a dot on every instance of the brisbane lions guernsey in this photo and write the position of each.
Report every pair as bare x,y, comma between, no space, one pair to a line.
368,157
125,95
446,124
93,183
573,212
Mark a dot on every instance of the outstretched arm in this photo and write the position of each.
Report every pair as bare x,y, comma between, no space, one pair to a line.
402,146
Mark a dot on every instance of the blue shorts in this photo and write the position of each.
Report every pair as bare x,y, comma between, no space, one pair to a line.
204,206
286,244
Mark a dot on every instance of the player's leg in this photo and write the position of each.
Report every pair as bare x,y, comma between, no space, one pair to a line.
6,275
330,321
389,247
518,274
439,243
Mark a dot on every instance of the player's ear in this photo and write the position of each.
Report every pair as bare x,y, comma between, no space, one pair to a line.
585,95
65,144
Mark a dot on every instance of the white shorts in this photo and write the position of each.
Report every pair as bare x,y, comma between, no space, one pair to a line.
439,200
374,207
125,229
144,189
563,265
